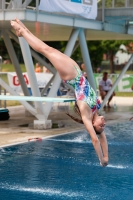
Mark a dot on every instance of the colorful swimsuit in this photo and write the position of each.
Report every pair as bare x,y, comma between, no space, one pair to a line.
84,91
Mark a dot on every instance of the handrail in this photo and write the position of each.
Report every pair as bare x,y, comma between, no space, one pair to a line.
115,4
108,4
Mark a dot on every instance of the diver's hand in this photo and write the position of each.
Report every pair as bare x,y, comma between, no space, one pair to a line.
104,162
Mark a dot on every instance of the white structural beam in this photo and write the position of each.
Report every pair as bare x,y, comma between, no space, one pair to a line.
44,90
57,79
24,103
26,3
31,74
86,59
15,62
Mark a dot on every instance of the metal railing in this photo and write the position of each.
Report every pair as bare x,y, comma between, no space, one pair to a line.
115,3
33,4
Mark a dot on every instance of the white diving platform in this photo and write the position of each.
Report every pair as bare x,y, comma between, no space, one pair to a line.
32,98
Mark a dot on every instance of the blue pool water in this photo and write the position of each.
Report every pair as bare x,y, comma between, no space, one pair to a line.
67,168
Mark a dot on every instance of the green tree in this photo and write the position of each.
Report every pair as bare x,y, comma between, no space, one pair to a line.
98,48
95,51
108,3
111,47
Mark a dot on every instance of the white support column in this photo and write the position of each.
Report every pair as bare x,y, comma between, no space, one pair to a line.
75,46
86,59
44,90
113,3
57,80
31,74
15,62
127,3
26,3
3,4
12,92
117,81
0,4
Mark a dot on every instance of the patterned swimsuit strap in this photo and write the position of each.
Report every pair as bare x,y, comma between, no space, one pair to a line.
78,70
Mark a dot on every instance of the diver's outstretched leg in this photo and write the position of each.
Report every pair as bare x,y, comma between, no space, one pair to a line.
63,64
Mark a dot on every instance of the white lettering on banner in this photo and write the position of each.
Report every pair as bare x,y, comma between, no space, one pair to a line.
16,82
84,8
126,83
42,80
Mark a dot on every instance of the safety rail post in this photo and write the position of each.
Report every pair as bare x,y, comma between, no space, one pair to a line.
113,3
103,8
5,100
37,4
127,3
3,4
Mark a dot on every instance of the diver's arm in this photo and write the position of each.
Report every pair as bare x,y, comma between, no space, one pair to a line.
94,138
104,145
86,114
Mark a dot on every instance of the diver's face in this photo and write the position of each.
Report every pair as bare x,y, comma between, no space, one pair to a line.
99,123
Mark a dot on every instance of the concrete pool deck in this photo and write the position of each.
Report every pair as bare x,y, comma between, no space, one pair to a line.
19,128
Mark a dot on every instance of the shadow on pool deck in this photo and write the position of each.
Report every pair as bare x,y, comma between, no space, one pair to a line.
19,128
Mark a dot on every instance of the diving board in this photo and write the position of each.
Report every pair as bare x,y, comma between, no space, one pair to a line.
31,98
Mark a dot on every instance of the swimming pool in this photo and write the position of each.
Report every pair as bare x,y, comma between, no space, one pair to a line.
66,167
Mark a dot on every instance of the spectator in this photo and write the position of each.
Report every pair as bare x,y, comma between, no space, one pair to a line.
105,85
83,67
98,70
83,70
37,68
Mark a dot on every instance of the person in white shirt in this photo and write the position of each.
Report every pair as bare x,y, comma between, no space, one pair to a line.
105,85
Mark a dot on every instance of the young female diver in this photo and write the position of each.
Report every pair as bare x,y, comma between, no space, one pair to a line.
87,103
